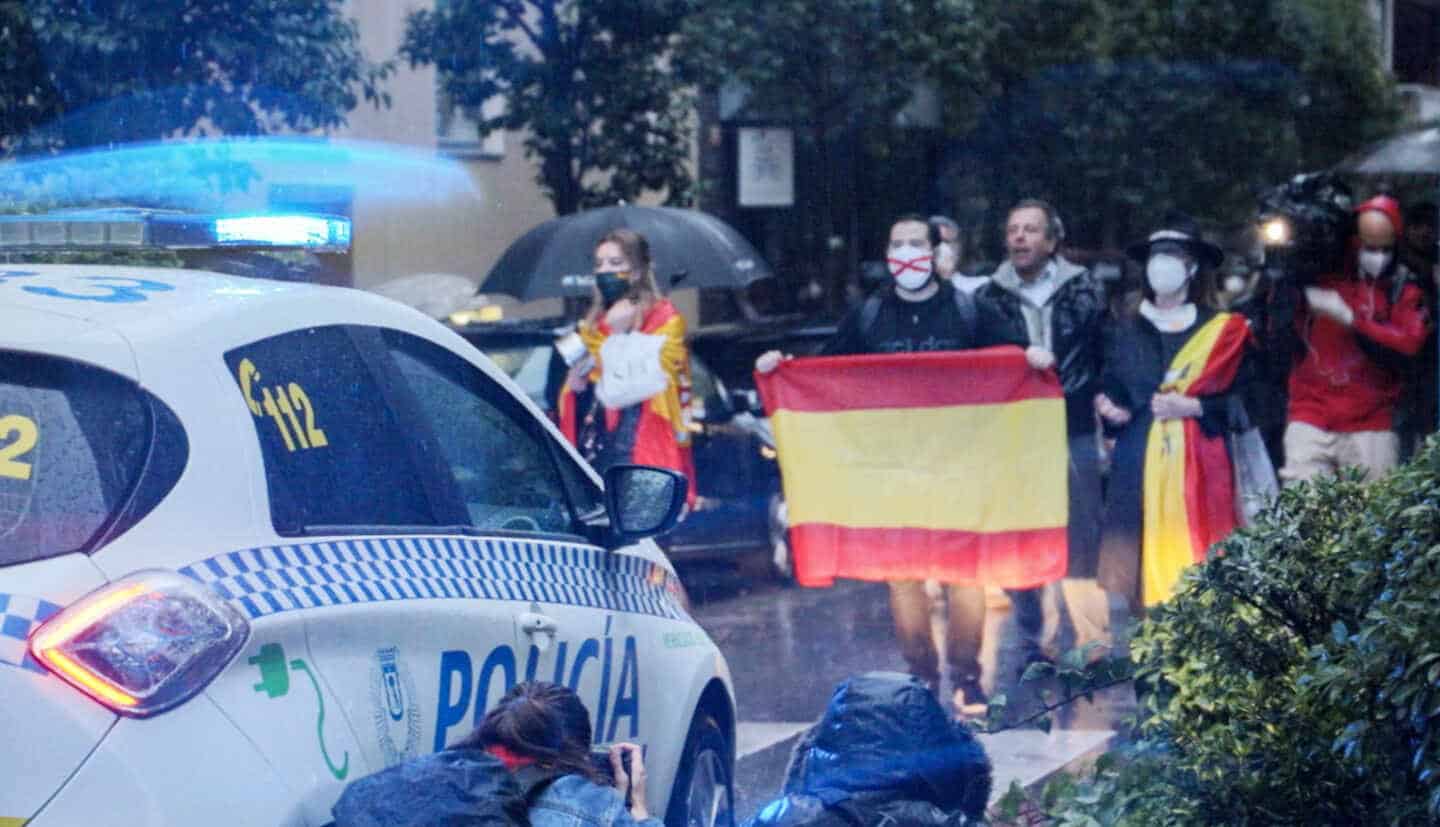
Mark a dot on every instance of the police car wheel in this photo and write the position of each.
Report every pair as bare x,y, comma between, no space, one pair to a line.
703,795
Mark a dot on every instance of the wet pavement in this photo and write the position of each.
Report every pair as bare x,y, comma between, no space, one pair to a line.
788,648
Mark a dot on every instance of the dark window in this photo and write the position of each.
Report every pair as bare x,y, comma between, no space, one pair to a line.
498,454
585,496
335,455
1417,42
76,458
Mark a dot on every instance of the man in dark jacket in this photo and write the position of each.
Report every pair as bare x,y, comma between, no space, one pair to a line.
884,753
1058,309
919,312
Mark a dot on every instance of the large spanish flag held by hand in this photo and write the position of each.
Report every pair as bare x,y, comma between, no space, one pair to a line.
949,465
1188,489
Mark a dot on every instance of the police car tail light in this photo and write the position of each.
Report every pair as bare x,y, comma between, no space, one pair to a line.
143,644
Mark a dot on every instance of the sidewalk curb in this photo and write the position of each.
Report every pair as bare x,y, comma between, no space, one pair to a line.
1076,765
1080,763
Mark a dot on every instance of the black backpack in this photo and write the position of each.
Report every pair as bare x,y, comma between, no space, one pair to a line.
451,788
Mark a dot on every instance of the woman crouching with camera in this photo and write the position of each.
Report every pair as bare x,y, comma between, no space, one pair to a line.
545,726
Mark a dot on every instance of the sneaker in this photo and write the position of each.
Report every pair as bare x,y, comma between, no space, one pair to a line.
970,700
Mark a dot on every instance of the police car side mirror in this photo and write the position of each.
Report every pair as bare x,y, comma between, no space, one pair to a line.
642,500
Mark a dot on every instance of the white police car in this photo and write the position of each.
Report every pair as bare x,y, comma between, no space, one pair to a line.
258,539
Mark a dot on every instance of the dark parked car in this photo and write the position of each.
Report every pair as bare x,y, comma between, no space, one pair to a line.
740,515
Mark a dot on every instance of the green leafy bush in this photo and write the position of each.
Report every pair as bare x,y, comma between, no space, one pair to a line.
1295,679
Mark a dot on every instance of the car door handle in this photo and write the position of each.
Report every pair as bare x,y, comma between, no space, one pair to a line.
532,623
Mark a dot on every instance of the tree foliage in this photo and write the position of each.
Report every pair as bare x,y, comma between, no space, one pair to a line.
81,73
821,66
589,80
1296,678
840,74
1122,111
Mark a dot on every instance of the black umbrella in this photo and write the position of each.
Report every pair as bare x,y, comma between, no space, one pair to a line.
688,248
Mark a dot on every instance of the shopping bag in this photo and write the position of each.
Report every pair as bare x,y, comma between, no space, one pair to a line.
630,369
1255,481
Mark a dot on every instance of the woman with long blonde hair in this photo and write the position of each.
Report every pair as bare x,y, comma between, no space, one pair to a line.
608,426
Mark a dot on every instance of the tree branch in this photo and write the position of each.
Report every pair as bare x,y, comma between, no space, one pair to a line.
515,10
1046,709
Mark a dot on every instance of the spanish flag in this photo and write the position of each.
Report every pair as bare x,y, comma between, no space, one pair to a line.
1188,493
949,465
662,435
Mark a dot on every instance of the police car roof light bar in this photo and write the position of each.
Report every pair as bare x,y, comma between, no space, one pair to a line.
131,228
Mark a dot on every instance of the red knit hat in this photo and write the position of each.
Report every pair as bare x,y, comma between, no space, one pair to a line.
1388,207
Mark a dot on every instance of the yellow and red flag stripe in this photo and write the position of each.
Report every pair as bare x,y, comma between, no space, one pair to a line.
662,437
1188,493
946,465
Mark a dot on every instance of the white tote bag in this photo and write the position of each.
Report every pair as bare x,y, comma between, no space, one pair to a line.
630,369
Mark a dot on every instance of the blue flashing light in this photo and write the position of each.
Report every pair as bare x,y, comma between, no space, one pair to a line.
133,228
301,231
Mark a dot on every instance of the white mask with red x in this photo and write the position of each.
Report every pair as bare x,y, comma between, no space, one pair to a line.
910,266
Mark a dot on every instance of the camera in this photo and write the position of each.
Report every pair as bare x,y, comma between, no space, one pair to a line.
600,760
1304,225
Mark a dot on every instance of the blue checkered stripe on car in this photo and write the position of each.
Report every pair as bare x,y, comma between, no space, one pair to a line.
18,615
273,579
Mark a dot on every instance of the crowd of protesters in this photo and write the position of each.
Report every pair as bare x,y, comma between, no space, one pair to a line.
1162,381
1188,391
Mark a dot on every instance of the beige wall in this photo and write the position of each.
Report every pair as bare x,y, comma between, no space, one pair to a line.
457,215
435,222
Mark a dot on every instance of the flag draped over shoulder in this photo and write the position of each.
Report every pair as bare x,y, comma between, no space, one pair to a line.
946,465
1188,492
661,436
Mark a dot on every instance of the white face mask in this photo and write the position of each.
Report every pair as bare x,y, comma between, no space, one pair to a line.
1234,284
1167,273
1372,262
910,266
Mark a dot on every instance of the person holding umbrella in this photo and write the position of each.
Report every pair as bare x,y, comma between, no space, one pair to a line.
626,402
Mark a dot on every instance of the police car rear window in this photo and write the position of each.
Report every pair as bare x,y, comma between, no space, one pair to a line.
74,441
336,457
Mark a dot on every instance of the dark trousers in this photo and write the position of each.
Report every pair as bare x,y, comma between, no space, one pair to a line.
1083,537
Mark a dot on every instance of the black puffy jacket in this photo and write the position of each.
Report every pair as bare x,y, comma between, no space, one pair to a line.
884,753
1078,316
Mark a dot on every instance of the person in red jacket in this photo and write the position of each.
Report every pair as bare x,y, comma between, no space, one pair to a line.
1357,330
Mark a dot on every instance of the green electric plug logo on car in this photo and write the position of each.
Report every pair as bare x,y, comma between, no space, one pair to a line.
275,682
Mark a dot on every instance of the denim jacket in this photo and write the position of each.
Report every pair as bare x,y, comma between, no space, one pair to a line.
572,801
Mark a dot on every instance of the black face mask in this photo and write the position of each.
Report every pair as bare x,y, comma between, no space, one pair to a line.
613,287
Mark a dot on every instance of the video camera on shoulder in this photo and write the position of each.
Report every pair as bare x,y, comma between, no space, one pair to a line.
1304,224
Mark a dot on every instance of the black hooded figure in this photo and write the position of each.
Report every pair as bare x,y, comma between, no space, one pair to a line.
884,753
